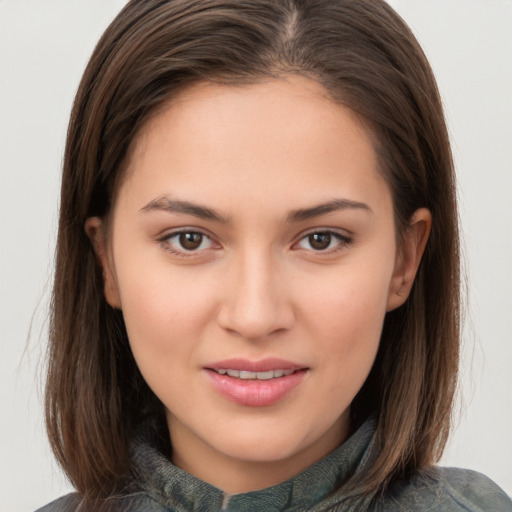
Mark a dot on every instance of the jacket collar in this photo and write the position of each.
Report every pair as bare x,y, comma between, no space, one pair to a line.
173,487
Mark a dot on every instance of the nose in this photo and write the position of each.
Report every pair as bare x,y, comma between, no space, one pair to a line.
255,301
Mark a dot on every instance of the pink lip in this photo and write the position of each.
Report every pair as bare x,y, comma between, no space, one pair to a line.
255,393
264,365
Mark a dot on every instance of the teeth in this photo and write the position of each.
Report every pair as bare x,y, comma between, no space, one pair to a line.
267,375
247,375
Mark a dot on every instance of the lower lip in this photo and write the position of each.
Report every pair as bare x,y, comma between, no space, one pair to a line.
254,392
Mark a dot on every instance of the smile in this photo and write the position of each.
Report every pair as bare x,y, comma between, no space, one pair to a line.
249,375
255,383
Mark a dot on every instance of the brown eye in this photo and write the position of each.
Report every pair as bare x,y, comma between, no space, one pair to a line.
319,241
187,243
190,241
324,241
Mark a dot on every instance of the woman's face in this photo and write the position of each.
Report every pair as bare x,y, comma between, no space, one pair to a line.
252,252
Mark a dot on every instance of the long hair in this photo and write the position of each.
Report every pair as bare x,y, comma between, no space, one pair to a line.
368,60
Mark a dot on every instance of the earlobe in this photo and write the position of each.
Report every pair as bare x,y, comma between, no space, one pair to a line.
409,258
94,228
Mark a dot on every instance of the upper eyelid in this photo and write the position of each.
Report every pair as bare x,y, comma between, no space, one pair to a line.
169,233
343,233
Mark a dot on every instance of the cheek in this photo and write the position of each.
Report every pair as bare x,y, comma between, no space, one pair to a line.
345,317
352,300
164,313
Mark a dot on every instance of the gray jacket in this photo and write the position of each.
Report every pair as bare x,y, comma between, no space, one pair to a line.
162,487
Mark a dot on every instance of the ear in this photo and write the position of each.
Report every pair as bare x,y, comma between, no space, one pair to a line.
95,230
409,257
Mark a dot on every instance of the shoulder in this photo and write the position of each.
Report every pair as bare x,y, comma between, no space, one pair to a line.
468,487
68,503
128,503
448,490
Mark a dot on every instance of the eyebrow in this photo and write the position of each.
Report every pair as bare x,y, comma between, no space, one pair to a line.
325,208
203,212
175,206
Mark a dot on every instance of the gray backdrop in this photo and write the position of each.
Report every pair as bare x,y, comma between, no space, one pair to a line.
44,45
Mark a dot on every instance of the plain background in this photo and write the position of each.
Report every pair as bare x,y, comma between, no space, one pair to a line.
44,45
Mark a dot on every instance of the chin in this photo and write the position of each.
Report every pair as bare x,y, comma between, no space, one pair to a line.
271,450
268,445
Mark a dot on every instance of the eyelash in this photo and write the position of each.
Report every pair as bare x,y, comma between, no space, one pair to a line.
342,240
165,241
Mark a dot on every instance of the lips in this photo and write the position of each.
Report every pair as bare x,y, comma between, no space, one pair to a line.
255,383
248,375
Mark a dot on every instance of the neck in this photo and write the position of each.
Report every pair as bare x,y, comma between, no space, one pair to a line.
236,474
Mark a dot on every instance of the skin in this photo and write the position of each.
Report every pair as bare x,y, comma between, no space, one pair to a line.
255,287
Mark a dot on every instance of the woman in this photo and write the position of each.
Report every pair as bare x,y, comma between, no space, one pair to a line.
257,285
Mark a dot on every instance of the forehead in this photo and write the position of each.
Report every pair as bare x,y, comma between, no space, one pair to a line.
286,135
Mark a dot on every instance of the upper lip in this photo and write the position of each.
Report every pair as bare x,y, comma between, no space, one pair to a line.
264,365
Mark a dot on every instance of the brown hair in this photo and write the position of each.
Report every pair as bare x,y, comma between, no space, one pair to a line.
367,59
